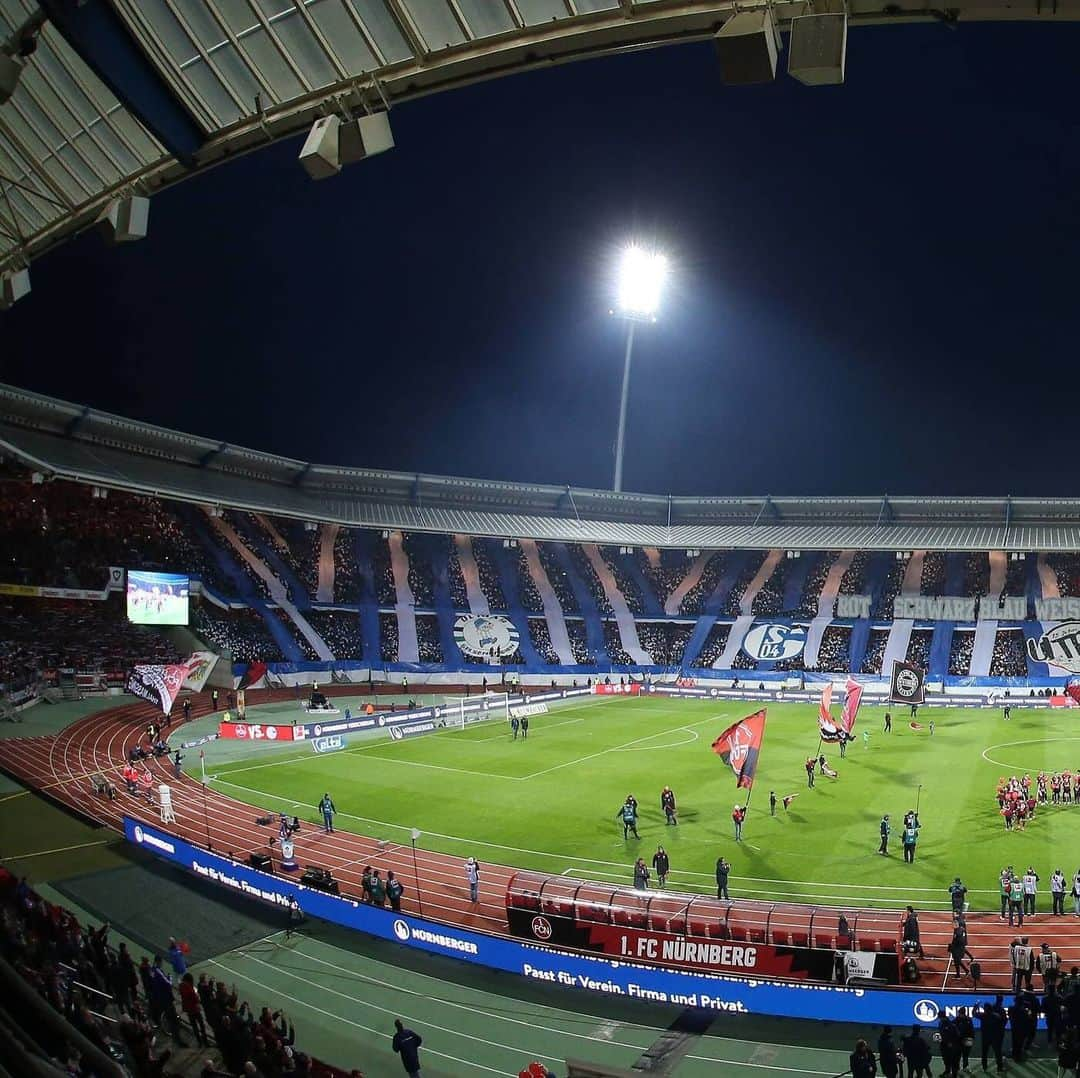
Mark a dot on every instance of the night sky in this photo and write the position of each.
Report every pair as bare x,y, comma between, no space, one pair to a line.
874,286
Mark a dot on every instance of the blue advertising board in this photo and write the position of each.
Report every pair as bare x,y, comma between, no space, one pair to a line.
732,995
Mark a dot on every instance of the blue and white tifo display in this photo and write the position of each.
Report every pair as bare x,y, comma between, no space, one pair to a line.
157,598
731,995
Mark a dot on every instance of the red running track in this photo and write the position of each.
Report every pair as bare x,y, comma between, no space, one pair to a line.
60,766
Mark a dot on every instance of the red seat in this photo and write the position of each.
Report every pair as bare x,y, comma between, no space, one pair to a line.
825,942
757,935
781,938
719,931
738,935
799,939
888,946
677,924
698,928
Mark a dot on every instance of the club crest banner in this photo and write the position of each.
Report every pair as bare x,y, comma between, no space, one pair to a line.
907,684
477,635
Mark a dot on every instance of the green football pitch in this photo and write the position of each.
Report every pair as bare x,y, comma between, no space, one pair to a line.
550,803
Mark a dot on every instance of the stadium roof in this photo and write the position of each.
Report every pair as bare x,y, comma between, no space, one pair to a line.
127,96
68,441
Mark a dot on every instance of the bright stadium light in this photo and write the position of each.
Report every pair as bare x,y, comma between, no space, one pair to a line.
640,283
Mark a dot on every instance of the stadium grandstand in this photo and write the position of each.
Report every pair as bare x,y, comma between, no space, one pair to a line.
350,588
314,570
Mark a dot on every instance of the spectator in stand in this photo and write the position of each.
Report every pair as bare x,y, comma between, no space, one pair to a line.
192,1008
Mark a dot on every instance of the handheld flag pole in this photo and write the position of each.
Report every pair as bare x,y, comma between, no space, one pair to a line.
918,796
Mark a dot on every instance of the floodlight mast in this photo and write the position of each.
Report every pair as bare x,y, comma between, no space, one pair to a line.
640,282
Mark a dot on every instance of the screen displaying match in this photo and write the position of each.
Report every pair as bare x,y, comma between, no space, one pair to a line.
157,598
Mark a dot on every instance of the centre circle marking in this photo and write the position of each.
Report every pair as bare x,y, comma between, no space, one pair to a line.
1029,741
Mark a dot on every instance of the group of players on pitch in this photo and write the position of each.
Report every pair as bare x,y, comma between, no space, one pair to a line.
1017,801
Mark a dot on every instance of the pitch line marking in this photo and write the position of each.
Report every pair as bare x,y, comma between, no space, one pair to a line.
694,736
1028,741
564,857
373,743
629,744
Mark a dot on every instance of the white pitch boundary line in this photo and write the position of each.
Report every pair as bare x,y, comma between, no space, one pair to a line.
564,857
505,735
694,736
373,743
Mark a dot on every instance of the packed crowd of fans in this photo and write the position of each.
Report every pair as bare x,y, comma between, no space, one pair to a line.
742,661
541,639
932,581
613,644
1016,577
242,633
693,602
732,608
918,650
625,581
854,579
667,574
834,655
126,1008
815,581
298,547
559,578
239,526
49,634
341,631
427,638
383,572
455,578
963,644
894,580
528,593
665,641
580,560
421,583
347,578
1067,571
770,598
875,651
388,637
579,644
1009,658
713,647
976,574
490,584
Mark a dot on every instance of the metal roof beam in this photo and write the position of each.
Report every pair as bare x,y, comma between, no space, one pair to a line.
101,38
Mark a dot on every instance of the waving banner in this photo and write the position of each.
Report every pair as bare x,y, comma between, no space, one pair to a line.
739,746
157,684
851,707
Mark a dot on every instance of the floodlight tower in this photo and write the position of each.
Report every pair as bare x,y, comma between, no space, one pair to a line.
641,278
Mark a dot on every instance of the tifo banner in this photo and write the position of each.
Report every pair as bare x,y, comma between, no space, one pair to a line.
609,977
479,636
157,684
255,731
774,642
907,684
200,666
1059,646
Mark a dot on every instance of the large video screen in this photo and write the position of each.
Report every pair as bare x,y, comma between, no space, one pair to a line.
157,598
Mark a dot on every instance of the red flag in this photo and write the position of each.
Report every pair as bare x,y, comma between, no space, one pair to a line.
915,725
739,745
826,703
851,706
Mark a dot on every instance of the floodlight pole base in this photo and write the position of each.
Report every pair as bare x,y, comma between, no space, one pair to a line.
622,405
